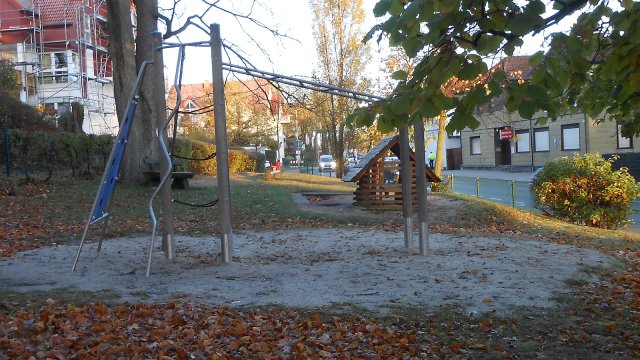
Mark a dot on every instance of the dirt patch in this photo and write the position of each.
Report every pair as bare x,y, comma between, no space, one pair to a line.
315,267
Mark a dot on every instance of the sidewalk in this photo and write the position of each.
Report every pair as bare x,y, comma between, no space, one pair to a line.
491,174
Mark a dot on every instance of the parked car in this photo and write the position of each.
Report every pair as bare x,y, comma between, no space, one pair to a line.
326,163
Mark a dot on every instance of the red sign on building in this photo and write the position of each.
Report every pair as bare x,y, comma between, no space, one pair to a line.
506,134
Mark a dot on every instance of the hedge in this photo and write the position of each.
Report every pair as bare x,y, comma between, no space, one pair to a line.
88,154
239,160
36,150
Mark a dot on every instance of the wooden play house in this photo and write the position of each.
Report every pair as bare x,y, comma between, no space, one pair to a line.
378,177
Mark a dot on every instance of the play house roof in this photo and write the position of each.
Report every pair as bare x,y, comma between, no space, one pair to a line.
389,143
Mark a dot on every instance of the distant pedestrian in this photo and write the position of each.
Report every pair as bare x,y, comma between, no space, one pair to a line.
432,159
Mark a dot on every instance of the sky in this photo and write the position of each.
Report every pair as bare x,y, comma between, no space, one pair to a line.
293,54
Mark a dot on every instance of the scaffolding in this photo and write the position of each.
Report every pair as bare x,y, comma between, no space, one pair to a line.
27,25
64,57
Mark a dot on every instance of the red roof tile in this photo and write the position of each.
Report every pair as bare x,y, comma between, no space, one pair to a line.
22,4
515,68
56,11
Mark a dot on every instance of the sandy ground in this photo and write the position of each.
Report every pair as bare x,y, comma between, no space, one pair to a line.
315,268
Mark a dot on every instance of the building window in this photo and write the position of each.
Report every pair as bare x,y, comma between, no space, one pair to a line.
541,139
87,28
61,60
623,142
475,145
455,134
190,106
54,68
522,141
63,107
571,137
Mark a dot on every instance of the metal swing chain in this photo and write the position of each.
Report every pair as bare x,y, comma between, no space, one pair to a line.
174,116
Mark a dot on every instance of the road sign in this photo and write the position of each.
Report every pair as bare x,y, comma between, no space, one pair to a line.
506,134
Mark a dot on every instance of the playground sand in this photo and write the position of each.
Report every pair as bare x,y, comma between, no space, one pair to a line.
315,268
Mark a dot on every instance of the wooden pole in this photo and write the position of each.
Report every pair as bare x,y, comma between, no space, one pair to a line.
421,188
222,152
405,172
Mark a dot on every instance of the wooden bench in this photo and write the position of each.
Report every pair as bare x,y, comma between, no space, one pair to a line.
180,178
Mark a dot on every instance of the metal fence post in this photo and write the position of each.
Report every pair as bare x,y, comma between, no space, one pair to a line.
513,193
452,184
477,187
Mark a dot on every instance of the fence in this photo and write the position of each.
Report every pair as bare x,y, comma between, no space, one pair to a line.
510,192
313,169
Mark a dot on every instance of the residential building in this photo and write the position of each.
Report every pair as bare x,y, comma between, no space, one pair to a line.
452,156
253,107
505,139
59,49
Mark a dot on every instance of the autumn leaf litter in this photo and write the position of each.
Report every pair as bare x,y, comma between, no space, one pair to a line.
315,268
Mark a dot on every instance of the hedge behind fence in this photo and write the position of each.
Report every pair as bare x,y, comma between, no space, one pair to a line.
239,160
88,154
31,151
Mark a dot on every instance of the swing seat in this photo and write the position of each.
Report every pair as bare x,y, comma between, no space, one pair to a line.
180,178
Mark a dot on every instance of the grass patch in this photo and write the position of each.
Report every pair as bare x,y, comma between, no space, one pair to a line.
603,271
12,300
58,211
584,325
480,213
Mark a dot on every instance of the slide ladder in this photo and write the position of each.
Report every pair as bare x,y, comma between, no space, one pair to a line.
100,209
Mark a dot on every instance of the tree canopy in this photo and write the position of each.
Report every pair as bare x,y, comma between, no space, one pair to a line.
341,60
592,67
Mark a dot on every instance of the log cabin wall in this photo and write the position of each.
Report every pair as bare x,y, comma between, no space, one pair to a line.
380,189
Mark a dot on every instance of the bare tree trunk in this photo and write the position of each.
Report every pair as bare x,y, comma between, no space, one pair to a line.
340,151
143,145
122,50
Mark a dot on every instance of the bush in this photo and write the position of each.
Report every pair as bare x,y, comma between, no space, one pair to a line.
72,121
260,159
586,190
83,154
16,115
30,151
239,160
87,155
